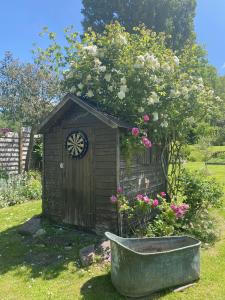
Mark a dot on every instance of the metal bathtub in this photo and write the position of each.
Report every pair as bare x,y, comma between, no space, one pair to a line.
141,266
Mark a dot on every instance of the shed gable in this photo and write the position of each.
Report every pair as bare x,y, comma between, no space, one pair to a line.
67,104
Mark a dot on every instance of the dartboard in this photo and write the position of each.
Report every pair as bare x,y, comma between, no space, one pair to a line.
76,144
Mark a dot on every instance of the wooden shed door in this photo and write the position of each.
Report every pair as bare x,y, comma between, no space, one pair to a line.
78,184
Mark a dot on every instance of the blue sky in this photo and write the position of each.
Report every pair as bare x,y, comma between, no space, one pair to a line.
22,20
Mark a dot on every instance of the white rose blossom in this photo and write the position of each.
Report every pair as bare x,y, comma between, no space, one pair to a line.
174,93
73,89
153,98
92,49
97,62
164,124
110,88
66,71
122,39
176,60
78,94
102,68
155,116
123,80
90,94
80,86
152,61
141,109
107,77
73,63
124,88
166,68
121,95
140,62
88,77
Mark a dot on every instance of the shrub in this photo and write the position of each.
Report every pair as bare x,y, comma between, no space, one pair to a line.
201,225
199,191
141,209
187,213
20,188
199,194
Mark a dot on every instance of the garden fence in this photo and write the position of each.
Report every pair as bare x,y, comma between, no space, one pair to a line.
13,151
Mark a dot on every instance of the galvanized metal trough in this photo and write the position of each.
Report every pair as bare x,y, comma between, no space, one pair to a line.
141,266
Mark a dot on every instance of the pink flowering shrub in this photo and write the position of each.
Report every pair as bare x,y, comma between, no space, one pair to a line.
187,213
169,216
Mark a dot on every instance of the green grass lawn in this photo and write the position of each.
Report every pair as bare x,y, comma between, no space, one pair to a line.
197,154
44,269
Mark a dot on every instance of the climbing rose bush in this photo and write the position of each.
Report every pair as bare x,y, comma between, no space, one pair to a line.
137,212
135,77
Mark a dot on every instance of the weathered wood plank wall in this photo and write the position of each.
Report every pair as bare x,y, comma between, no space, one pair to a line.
13,151
144,175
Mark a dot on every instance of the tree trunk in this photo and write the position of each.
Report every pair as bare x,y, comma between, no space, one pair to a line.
30,149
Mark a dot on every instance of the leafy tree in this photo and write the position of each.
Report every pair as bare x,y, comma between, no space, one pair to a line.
136,77
174,17
27,93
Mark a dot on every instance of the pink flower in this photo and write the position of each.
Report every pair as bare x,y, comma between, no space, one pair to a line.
119,190
4,131
139,197
155,203
135,131
163,194
146,199
179,210
146,118
113,199
173,207
146,142
184,206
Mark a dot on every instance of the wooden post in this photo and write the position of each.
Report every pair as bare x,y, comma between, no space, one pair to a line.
30,149
20,145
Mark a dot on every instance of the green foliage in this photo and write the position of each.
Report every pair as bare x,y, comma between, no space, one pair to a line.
27,92
200,192
19,188
202,226
219,139
187,213
164,223
174,17
217,157
37,154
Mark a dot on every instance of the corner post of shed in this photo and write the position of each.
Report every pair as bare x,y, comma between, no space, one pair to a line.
119,220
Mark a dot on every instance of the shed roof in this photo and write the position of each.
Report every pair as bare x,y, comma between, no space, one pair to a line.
63,106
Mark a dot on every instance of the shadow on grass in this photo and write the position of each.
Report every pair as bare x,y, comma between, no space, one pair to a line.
100,287
45,256
49,255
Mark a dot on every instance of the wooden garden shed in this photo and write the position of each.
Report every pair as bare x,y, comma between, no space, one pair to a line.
83,166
